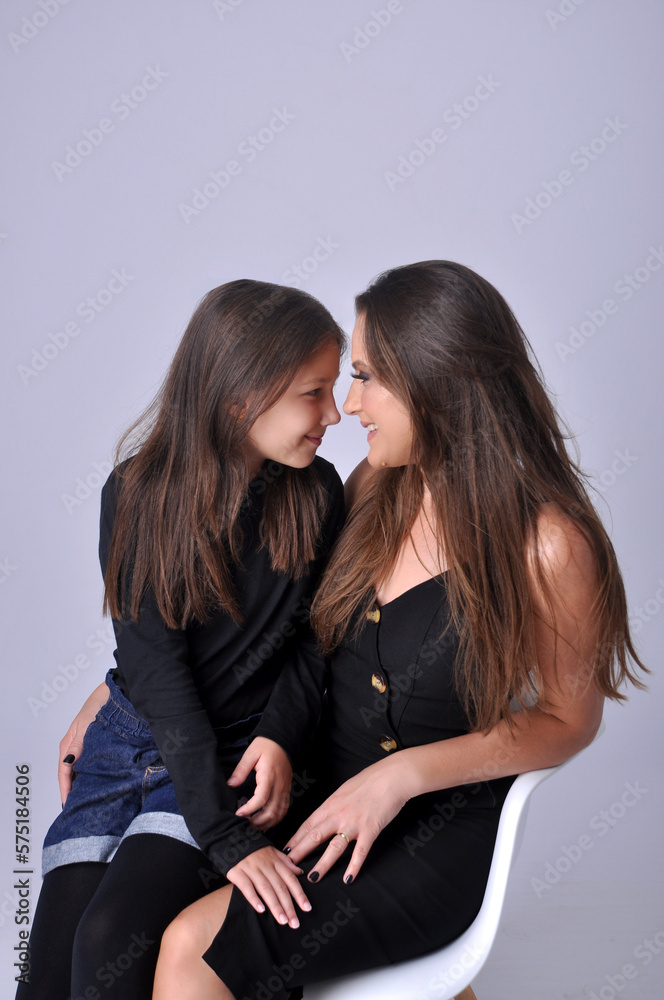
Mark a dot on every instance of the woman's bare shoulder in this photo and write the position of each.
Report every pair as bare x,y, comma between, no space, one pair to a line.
566,555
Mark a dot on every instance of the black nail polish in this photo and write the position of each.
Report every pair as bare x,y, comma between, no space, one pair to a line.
313,876
348,879
69,759
287,850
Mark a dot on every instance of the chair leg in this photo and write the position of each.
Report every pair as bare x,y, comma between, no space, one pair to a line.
466,994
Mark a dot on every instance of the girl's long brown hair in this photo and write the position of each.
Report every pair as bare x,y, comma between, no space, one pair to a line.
488,445
176,528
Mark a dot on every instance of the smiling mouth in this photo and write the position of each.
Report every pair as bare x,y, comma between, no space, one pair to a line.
317,439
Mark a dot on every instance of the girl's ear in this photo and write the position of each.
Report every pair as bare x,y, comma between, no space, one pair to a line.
238,412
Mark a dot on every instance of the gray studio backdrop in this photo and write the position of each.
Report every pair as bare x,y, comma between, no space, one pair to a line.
153,150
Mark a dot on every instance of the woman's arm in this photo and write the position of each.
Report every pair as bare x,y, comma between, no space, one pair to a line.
564,721
569,710
72,742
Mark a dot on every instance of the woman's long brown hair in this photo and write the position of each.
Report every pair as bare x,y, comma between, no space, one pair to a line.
488,445
176,528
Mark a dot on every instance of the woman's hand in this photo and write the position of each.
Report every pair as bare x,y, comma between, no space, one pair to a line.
268,876
360,809
72,742
274,776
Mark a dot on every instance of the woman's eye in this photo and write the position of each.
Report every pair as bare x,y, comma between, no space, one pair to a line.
363,377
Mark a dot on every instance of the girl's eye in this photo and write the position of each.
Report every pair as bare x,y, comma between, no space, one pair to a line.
314,392
363,377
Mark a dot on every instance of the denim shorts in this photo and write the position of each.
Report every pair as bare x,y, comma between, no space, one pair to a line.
121,787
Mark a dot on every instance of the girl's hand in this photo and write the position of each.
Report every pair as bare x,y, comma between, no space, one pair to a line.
72,742
268,876
360,809
274,775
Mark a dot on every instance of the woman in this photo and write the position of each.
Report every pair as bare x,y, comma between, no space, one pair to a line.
213,535
476,619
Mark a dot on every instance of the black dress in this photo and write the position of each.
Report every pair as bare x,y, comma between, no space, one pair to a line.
423,881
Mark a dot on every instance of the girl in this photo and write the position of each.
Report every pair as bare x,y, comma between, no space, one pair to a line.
213,534
476,619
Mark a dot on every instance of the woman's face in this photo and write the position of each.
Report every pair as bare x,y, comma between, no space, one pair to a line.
390,429
291,430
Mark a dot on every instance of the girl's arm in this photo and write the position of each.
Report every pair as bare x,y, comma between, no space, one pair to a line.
293,711
156,670
292,714
564,721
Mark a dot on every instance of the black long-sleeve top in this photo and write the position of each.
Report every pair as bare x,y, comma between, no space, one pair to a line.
186,682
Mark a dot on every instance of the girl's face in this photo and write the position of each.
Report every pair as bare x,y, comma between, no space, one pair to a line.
390,434
291,430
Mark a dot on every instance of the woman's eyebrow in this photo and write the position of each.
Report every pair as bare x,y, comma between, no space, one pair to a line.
358,364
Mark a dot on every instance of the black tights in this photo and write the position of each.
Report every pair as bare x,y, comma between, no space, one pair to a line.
97,926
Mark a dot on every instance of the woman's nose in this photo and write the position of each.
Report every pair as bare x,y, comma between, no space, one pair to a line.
352,402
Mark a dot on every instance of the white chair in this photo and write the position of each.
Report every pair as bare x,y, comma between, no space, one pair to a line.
447,973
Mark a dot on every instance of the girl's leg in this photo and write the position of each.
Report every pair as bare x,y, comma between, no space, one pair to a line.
65,894
150,879
181,972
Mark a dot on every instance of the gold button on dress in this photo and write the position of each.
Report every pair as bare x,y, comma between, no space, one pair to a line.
379,683
388,743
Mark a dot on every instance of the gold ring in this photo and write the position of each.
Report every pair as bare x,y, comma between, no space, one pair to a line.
347,839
